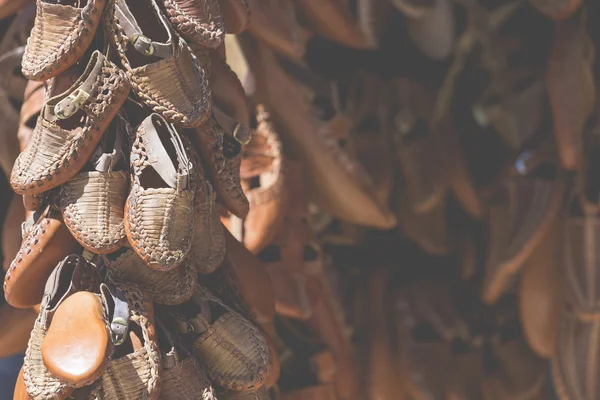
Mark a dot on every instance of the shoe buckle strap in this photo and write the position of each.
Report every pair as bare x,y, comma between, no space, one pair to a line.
69,106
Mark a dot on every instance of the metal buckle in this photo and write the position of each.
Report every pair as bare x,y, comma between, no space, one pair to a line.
237,134
121,323
146,41
69,106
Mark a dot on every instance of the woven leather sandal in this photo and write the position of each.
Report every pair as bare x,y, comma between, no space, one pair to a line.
159,212
557,9
199,22
134,371
163,71
83,333
528,205
236,15
242,283
571,94
93,202
208,245
72,275
220,143
311,124
183,377
69,128
169,287
575,357
263,179
46,241
62,33
232,350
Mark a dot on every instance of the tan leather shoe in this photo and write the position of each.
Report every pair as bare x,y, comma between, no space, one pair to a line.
527,206
312,126
46,241
264,182
541,292
16,325
571,94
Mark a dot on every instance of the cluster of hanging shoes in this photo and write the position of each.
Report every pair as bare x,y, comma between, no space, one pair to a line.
337,200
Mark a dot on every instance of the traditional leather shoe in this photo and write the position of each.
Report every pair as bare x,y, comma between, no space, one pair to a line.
46,241
528,206
220,143
233,350
15,327
72,24
572,93
227,91
434,32
159,213
134,371
93,202
169,287
575,356
208,246
10,7
310,124
163,71
263,180
199,22
78,343
541,292
236,15
293,260
557,9
183,378
243,283
35,96
69,128
274,23
72,275
333,20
